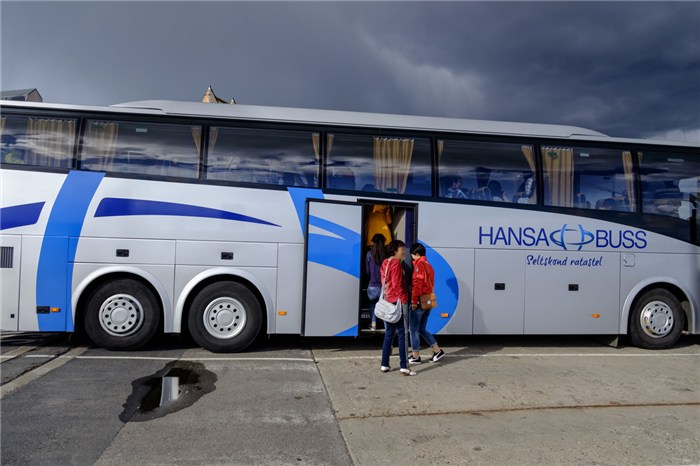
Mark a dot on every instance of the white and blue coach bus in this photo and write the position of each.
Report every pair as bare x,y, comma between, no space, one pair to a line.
226,221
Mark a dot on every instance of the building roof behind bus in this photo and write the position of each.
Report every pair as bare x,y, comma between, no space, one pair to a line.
350,119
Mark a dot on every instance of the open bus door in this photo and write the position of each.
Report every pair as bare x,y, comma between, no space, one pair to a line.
333,249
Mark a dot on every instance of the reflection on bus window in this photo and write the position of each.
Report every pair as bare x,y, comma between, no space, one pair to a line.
670,184
143,148
37,141
379,164
588,178
487,172
282,158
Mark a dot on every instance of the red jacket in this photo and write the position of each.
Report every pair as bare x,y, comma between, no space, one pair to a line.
423,279
395,289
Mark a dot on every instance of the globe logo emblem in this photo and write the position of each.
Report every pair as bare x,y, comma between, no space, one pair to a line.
567,238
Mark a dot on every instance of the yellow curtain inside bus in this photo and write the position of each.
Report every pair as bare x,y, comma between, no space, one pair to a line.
530,157
629,178
101,143
558,167
392,163
50,141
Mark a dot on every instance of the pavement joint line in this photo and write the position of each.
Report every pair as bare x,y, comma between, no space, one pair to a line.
519,409
520,355
348,450
40,371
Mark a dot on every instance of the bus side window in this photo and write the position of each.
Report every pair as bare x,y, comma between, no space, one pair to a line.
670,184
37,141
589,178
482,171
141,148
262,156
387,164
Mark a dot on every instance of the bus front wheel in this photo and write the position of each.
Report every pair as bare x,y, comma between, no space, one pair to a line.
225,317
657,320
122,314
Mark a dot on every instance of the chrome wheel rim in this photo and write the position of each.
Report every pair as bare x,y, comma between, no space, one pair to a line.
121,315
657,319
225,318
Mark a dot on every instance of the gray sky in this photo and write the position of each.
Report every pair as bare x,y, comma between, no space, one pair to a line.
626,69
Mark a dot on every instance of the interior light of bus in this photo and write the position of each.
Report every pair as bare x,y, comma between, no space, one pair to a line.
595,316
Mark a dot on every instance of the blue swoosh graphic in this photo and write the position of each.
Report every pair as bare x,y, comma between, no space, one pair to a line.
446,290
331,251
299,197
117,207
54,280
20,215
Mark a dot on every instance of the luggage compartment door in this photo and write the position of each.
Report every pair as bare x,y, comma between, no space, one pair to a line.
10,249
332,268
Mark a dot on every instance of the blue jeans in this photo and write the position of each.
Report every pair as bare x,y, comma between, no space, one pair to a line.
391,329
419,321
373,293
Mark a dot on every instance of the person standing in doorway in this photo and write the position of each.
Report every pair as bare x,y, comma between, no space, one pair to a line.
422,284
373,262
378,223
396,293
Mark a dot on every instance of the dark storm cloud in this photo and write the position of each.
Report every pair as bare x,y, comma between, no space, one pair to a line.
626,69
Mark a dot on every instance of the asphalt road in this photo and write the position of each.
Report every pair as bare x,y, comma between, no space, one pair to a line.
290,400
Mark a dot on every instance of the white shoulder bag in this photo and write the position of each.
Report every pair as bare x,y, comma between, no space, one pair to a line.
386,311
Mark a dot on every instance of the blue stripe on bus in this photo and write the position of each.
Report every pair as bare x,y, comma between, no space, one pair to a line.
55,271
20,215
331,251
446,290
351,332
116,207
299,197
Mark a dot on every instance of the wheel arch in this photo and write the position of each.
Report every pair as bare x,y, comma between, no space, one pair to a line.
104,274
207,277
665,283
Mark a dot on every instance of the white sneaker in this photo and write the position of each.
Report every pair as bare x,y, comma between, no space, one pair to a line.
386,368
408,372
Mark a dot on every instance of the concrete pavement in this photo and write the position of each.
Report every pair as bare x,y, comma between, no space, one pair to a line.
515,400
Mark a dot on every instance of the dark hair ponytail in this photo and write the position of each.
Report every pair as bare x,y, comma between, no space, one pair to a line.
378,249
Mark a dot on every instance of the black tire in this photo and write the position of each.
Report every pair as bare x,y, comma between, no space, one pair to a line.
233,338
664,305
137,330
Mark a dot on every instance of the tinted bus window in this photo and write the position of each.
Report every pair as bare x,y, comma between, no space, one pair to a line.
379,164
280,158
486,171
37,141
143,148
589,178
670,184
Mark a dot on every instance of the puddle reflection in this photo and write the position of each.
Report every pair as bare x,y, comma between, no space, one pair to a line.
175,387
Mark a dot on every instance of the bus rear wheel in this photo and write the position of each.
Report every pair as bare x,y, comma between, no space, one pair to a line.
657,320
225,317
122,314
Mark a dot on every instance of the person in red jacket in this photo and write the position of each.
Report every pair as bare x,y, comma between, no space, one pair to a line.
423,281
396,293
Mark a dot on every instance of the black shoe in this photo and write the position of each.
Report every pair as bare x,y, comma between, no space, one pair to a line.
415,361
437,356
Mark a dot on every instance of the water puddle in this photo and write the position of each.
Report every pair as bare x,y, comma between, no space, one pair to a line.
175,387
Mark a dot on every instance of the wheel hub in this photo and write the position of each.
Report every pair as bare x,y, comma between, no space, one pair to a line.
225,318
121,315
657,319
